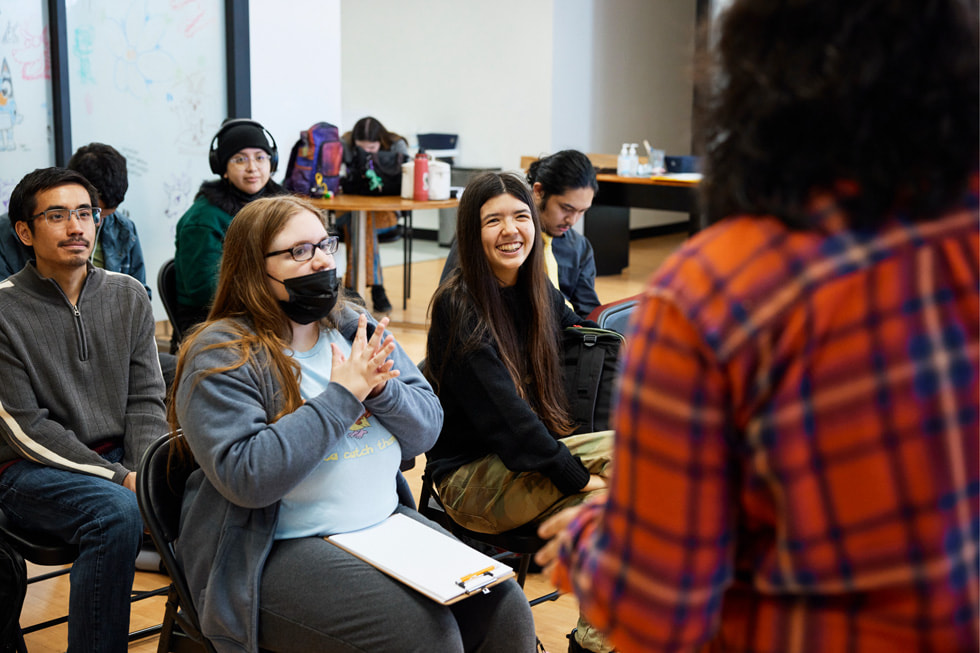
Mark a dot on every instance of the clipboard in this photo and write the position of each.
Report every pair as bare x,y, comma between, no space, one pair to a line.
429,561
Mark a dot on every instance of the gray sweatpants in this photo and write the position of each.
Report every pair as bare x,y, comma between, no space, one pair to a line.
317,597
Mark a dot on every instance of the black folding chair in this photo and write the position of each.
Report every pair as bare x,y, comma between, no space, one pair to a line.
160,483
49,551
522,542
167,287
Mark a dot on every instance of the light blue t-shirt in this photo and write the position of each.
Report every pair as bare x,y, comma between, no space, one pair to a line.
354,486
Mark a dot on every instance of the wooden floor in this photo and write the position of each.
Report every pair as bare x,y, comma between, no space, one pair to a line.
553,620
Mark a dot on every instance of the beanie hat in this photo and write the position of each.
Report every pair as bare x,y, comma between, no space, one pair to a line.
237,138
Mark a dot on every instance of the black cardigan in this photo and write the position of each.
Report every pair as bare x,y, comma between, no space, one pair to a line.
484,414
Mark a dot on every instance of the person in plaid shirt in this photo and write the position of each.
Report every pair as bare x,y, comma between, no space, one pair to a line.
796,462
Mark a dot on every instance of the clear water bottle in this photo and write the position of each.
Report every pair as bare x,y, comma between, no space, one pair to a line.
623,162
634,161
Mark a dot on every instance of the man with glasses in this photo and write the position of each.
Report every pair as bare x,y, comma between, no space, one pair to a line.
81,398
117,244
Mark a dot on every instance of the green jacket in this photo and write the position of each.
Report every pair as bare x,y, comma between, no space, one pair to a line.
200,237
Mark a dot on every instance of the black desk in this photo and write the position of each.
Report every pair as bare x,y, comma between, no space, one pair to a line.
607,223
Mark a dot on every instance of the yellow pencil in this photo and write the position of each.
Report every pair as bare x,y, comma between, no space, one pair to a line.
475,574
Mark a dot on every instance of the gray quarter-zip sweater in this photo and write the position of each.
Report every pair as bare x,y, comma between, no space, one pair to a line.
72,376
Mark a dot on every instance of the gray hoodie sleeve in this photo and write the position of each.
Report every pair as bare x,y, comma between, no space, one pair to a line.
254,461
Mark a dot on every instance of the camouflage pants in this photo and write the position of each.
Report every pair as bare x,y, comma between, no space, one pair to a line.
486,497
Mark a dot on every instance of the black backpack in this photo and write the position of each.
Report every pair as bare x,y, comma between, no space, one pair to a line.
13,589
591,364
375,173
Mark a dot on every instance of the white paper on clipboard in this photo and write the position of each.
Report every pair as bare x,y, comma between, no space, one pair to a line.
439,566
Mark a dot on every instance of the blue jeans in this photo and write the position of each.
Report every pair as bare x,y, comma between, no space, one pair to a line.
104,520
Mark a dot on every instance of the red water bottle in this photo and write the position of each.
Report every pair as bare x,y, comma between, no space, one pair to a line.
420,185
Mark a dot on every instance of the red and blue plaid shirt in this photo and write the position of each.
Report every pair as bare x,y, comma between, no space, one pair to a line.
797,450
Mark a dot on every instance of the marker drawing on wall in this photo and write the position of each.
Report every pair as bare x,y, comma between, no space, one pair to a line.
140,59
178,192
33,56
8,109
83,46
187,101
6,188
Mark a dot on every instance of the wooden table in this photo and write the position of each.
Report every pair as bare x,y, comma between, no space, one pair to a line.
358,206
607,223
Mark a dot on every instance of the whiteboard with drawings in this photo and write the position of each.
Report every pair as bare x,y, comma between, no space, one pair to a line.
148,78
25,93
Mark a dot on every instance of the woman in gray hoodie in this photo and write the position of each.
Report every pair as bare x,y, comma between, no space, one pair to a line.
299,409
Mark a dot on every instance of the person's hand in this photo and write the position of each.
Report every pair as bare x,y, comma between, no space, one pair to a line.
130,481
553,530
366,370
382,340
595,483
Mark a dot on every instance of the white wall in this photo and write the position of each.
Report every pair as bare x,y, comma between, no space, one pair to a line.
287,99
478,69
572,94
517,77
641,85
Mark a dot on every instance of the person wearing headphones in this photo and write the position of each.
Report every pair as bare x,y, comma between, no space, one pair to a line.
244,154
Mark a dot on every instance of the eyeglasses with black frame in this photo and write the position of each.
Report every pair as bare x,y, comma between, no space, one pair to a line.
84,214
304,251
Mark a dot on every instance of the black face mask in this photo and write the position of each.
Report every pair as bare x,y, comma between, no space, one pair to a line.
311,296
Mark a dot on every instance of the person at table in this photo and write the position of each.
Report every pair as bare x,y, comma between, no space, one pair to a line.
797,460
299,408
244,155
371,136
564,185
506,455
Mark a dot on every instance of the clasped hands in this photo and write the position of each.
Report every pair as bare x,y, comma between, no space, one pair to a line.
367,370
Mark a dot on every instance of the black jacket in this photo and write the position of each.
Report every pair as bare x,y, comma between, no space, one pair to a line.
484,414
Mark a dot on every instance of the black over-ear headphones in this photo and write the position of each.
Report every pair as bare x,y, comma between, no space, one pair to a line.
216,167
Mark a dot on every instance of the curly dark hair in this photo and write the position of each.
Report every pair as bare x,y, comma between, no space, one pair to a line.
105,167
875,100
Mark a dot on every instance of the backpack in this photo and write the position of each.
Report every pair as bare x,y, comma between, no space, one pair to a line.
590,359
13,588
314,162
375,173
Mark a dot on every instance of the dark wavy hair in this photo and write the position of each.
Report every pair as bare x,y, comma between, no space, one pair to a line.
105,167
874,100
561,172
472,297
370,128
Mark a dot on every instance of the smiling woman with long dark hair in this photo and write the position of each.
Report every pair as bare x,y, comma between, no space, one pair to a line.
506,455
